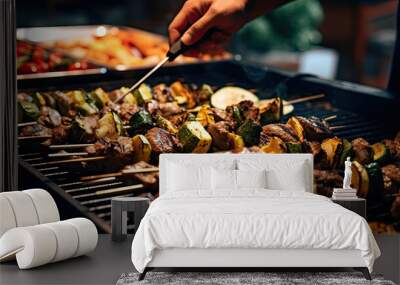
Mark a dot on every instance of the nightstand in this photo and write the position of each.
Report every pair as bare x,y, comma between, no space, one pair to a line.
120,206
357,205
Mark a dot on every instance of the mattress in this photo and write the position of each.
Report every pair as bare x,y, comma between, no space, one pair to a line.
250,219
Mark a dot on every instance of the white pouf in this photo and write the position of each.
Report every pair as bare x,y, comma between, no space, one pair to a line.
40,244
46,208
7,218
87,235
67,240
23,208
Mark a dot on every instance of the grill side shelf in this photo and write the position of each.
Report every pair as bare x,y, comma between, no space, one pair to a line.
56,190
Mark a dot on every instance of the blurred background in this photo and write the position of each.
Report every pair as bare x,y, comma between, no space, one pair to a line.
345,39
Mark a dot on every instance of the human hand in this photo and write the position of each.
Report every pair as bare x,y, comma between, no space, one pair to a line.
221,18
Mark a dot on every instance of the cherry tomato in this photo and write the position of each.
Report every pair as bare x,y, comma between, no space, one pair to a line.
28,68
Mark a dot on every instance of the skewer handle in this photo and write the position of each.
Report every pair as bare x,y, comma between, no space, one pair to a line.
304,99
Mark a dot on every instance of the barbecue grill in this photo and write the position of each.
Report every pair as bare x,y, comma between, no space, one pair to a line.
359,112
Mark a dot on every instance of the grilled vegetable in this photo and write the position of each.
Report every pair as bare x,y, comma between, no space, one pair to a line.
194,137
381,153
118,124
100,98
333,148
237,142
39,99
360,179
297,127
205,92
250,132
237,116
182,94
166,124
142,148
294,147
80,104
204,116
375,190
129,98
347,152
50,101
270,111
143,94
274,145
230,95
108,127
28,111
140,122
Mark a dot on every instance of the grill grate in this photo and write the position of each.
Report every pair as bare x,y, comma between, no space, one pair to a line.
93,198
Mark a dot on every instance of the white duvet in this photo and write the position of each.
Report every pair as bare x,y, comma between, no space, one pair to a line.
253,218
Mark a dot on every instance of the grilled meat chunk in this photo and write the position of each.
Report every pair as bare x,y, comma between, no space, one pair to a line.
162,141
149,179
170,108
394,148
326,180
392,171
362,151
49,117
162,93
100,147
126,111
282,131
83,129
35,130
122,150
221,135
395,210
314,128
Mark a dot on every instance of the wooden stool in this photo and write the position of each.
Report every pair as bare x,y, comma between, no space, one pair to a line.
120,206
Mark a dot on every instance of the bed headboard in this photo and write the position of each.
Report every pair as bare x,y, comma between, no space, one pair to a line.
214,158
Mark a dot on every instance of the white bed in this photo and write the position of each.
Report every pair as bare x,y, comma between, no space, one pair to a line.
248,227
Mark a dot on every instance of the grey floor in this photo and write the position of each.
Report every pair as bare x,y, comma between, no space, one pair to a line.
103,266
106,264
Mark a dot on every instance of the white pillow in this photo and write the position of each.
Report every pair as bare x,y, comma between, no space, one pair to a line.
289,175
223,179
183,177
251,178
292,178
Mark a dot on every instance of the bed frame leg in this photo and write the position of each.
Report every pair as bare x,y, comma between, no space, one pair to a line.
364,271
142,275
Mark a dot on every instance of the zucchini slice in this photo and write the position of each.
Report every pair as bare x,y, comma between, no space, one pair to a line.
28,111
107,127
165,124
381,153
129,99
100,98
118,124
347,152
237,143
228,96
141,149
271,111
194,137
275,145
140,122
294,147
376,186
360,179
143,94
250,132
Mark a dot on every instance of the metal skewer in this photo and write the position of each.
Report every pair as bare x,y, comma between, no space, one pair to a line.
304,99
20,125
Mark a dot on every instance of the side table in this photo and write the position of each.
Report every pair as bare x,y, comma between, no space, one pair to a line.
357,205
120,206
